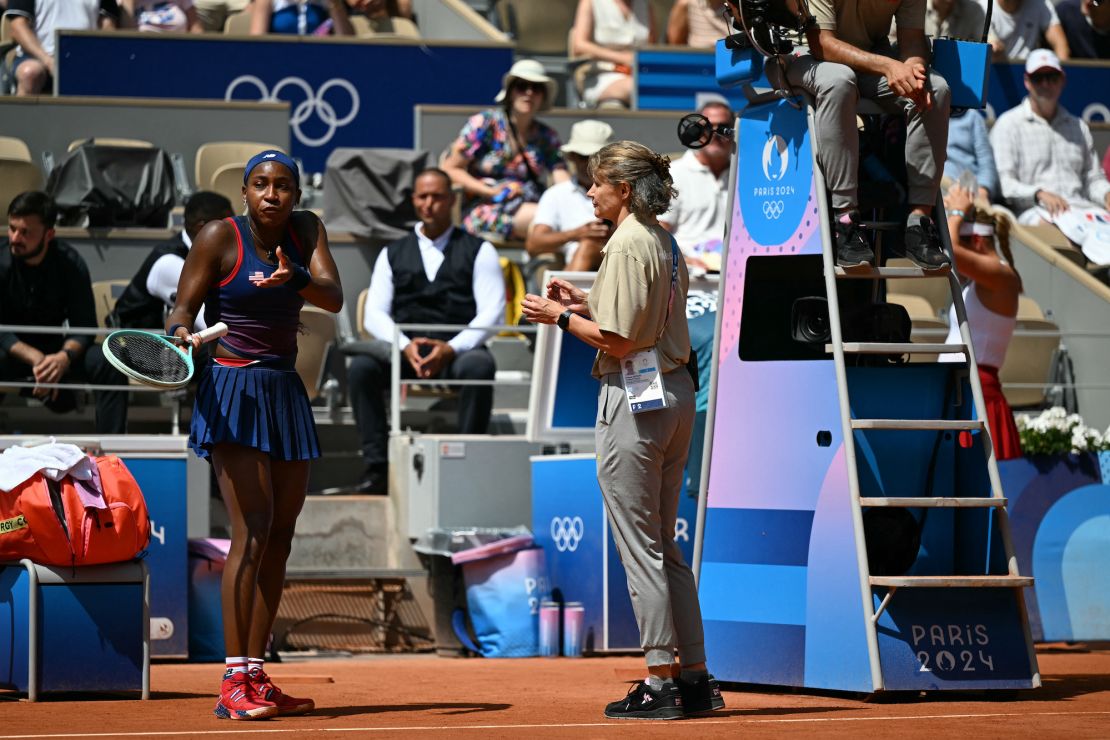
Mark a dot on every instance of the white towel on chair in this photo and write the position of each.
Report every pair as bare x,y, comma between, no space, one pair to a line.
56,460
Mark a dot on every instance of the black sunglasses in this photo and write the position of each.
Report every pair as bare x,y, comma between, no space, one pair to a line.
1039,77
525,85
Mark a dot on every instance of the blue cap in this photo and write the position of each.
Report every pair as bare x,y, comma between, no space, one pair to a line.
272,155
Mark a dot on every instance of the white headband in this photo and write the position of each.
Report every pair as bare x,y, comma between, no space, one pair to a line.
976,229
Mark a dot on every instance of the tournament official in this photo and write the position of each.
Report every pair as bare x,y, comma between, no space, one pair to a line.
635,317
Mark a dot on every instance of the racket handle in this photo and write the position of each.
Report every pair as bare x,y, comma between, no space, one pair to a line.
215,331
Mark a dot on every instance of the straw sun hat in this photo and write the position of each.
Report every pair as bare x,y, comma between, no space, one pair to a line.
532,71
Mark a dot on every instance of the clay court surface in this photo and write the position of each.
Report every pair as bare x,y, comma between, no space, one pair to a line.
416,696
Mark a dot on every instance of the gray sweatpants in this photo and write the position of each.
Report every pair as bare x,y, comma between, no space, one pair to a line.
837,88
640,462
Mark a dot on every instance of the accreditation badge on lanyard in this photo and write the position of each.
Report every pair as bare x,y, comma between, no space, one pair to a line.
641,373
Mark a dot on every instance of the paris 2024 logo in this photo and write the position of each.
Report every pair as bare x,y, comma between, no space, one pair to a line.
775,173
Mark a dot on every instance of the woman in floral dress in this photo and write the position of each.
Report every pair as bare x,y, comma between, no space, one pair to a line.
504,157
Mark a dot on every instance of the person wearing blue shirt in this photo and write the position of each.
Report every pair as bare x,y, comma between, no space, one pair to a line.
969,149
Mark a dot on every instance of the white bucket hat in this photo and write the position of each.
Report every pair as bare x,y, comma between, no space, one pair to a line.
586,137
532,71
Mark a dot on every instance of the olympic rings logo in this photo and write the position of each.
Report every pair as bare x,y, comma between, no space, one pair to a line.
773,209
314,104
567,532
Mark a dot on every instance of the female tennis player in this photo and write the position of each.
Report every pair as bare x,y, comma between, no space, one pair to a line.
252,418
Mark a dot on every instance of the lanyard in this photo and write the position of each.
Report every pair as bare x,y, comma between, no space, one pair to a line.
674,287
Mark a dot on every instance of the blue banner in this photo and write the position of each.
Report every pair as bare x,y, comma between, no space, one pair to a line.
340,94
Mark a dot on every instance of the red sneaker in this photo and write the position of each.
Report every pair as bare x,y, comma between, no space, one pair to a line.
286,704
239,700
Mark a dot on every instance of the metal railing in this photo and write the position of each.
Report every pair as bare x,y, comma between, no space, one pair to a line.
396,382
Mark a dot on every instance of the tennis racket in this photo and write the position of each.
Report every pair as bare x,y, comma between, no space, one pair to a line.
155,359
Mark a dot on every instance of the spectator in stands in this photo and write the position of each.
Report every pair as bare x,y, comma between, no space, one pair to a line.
991,290
697,23
1045,155
44,282
1017,27
161,15
33,25
436,275
213,13
374,9
606,31
153,290
969,150
849,59
303,18
957,19
503,157
1087,26
698,213
565,220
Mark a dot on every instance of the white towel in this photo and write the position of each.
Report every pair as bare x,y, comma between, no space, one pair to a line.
56,460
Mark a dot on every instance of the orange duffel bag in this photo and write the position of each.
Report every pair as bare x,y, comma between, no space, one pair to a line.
49,522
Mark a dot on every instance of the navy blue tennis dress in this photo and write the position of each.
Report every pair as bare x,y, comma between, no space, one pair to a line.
259,400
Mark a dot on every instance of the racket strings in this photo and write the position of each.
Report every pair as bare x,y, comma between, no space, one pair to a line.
150,356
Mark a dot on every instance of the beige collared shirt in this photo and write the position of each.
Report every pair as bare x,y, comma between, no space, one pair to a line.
630,295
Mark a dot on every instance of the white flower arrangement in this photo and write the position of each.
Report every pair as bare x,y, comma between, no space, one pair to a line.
1055,431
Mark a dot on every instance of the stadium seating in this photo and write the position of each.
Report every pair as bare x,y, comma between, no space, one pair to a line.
238,24
1029,308
1029,360
18,172
537,28
228,182
105,295
317,335
935,291
925,325
215,155
109,141
377,27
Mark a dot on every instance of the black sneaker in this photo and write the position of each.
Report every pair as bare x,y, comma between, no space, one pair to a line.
852,249
701,695
923,246
644,702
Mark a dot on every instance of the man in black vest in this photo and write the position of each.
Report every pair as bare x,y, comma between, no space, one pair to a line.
436,275
143,303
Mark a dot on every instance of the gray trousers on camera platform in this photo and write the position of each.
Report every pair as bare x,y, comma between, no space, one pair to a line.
640,463
838,88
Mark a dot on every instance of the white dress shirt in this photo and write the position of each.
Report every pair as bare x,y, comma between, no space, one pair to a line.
1058,156
564,206
489,292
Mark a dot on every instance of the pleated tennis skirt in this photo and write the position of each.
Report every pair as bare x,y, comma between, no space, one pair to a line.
1000,417
261,406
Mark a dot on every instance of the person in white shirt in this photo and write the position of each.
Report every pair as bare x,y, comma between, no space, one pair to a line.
1018,25
33,25
697,214
564,219
1045,155
436,275
162,16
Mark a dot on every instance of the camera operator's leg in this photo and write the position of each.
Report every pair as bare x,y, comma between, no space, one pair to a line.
926,151
834,87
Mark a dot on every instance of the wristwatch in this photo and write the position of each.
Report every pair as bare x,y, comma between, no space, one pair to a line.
564,319
71,354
